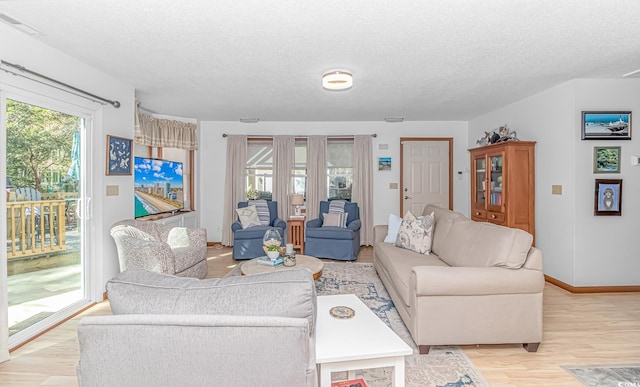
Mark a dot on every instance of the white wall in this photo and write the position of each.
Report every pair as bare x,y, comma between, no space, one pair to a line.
19,48
578,248
212,158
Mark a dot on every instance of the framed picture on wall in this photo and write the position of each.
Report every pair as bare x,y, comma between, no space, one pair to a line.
606,125
606,159
119,156
608,198
384,163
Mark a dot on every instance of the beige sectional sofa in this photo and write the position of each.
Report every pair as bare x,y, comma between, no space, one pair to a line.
481,284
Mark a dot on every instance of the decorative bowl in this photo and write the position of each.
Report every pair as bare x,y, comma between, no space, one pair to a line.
273,254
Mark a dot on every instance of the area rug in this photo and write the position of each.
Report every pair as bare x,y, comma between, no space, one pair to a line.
606,375
445,366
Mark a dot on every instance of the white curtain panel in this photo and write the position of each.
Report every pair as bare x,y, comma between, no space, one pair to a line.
284,156
234,190
363,185
316,174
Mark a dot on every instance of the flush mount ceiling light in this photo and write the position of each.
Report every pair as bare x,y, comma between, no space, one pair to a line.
337,80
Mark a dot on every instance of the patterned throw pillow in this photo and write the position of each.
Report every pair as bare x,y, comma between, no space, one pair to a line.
248,216
416,234
263,210
335,220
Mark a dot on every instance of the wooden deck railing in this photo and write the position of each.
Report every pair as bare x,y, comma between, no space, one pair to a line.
35,228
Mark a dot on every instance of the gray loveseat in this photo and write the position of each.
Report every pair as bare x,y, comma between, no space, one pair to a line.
235,331
481,284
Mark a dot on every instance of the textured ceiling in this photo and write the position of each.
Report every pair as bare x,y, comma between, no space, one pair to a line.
421,60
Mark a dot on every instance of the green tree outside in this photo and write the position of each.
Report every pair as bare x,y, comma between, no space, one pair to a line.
39,145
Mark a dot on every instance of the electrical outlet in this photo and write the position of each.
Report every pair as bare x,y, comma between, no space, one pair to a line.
113,190
556,189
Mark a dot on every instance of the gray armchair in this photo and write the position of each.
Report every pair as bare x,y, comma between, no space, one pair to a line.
172,250
334,242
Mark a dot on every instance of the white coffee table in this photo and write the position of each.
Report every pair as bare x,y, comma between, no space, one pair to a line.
361,342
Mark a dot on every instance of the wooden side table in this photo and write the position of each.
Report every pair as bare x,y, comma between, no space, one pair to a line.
296,233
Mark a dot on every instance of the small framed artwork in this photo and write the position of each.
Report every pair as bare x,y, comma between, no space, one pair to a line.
614,125
606,159
384,163
119,156
608,199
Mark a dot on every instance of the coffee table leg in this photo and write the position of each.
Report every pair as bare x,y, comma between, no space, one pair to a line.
398,372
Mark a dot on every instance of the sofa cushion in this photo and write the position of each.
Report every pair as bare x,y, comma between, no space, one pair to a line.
477,244
397,263
416,234
145,292
444,220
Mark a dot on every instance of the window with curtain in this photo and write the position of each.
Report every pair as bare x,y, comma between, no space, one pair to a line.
259,171
339,169
299,177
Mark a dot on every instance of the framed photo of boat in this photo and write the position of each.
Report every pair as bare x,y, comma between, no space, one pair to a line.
606,159
606,125
608,199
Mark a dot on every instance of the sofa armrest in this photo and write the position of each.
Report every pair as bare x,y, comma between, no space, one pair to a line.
277,222
474,281
235,226
380,232
355,225
314,223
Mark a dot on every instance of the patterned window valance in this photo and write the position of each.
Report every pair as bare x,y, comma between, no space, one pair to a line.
160,132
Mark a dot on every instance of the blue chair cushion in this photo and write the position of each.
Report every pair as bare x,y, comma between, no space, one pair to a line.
330,233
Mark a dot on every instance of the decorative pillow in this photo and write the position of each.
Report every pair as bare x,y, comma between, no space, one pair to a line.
248,216
394,226
416,234
335,220
263,210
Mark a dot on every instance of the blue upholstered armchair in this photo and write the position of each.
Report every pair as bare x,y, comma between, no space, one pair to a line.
331,241
247,243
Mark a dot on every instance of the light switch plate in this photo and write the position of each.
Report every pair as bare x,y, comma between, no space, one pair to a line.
556,189
393,185
113,190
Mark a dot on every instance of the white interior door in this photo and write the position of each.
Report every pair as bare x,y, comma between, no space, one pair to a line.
426,173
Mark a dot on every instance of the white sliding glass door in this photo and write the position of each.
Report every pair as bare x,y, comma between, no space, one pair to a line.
45,142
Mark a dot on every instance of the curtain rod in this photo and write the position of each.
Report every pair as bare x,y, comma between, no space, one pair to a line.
115,104
301,136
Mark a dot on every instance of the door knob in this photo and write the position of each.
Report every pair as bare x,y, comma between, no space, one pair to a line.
406,197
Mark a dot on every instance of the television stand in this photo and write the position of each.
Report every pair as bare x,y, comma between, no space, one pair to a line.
175,219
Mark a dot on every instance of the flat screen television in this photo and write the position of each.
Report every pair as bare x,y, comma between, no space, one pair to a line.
157,186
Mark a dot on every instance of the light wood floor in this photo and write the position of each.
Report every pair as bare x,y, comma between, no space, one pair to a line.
579,329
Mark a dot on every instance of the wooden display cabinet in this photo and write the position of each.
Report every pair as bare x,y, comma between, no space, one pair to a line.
503,184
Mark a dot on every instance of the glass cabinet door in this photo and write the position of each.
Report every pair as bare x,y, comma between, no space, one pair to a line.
495,180
480,171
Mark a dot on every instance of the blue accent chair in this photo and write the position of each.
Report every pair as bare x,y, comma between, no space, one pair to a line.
247,243
334,242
